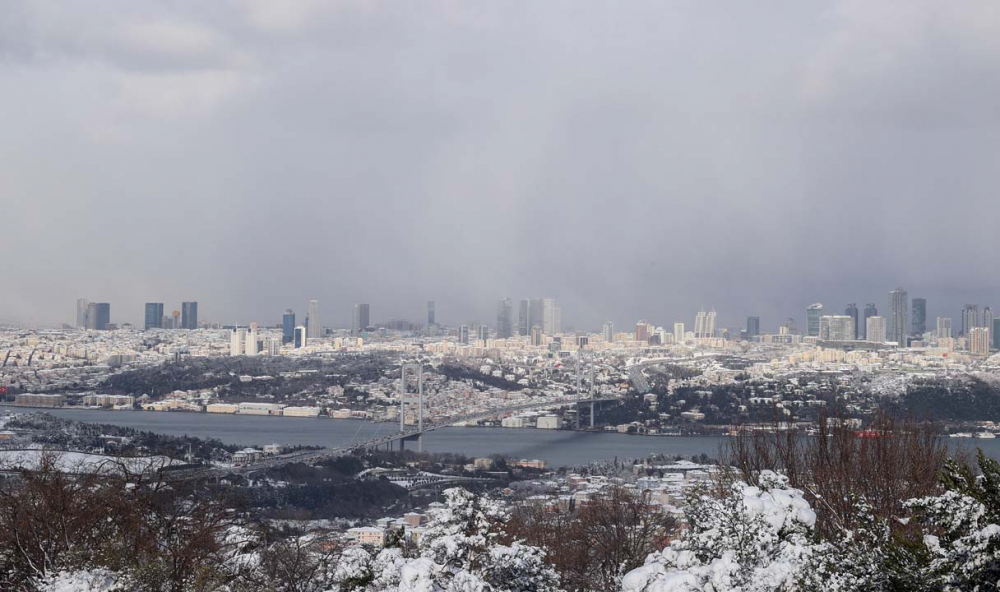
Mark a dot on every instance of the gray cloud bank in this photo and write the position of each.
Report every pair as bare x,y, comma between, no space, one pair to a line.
632,160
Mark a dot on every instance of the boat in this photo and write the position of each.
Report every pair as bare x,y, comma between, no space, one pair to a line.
986,435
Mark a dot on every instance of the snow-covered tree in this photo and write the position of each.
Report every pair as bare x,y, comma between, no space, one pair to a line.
963,537
459,551
755,539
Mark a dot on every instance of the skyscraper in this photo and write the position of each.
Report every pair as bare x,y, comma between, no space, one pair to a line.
536,313
483,333
361,318
995,334
81,313
643,331
789,327
154,315
609,332
918,323
524,310
505,318
431,321
813,313
753,327
987,322
551,316
189,315
710,324
99,315
288,327
836,328
699,324
252,347
898,325
852,311
463,334
301,337
979,341
315,328
870,311
970,318
678,332
943,327
875,329
238,341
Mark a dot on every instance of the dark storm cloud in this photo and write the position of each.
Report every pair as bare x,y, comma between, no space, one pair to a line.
631,160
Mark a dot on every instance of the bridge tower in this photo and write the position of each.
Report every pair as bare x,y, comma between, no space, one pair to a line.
579,387
406,398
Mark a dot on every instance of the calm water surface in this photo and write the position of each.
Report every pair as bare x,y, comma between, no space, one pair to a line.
557,447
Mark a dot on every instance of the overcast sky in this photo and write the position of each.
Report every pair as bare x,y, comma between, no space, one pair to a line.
633,160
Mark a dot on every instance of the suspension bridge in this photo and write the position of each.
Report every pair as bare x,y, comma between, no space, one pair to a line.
416,431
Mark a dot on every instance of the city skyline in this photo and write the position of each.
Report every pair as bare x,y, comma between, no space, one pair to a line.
622,184
547,315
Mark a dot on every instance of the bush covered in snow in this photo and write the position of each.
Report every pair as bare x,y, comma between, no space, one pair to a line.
756,538
459,551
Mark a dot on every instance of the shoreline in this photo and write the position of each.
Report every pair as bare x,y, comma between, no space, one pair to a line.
81,408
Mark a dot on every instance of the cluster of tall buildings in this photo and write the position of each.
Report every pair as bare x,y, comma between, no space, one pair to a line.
97,316
246,341
185,318
704,325
533,313
93,315
905,320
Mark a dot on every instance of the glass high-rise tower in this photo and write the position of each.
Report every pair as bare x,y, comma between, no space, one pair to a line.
898,323
813,314
154,315
918,322
288,326
189,315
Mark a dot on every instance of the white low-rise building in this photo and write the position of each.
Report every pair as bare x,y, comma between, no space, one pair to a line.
301,411
222,408
260,408
547,422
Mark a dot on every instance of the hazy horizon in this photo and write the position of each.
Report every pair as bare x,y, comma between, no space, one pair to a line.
632,161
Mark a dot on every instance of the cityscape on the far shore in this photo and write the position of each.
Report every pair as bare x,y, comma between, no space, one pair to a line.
650,379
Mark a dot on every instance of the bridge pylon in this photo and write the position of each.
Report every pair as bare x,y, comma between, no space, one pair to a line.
406,398
590,387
